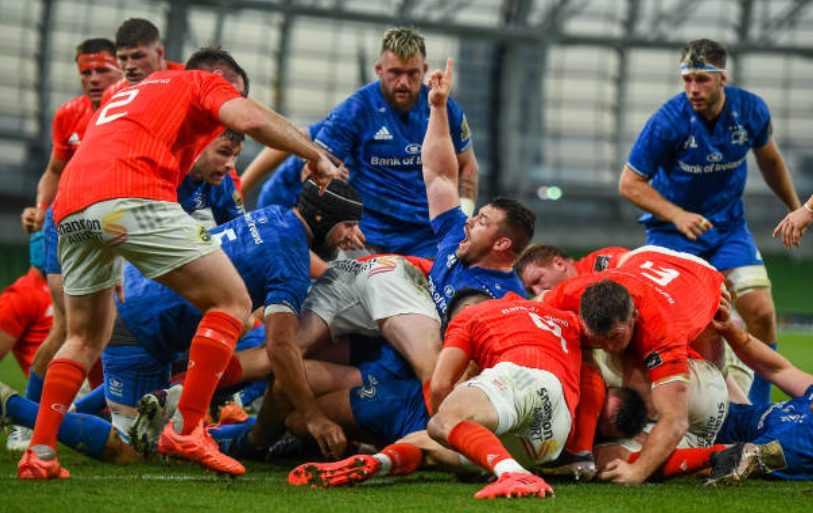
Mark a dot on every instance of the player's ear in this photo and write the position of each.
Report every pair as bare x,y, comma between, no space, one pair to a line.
502,244
159,50
723,79
379,69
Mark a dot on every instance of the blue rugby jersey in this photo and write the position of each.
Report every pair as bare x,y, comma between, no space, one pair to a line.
382,150
285,184
789,422
699,169
223,201
449,274
268,247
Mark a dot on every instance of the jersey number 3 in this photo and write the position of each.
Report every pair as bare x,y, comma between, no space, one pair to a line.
118,100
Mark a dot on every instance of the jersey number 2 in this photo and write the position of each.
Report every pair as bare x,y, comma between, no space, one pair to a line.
125,97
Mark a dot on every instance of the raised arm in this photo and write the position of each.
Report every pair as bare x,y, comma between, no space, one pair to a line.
639,192
440,165
468,179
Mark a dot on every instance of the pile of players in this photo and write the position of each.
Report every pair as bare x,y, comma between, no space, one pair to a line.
417,340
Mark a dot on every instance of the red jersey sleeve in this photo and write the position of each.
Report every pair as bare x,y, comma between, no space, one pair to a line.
214,92
661,345
568,294
59,137
459,334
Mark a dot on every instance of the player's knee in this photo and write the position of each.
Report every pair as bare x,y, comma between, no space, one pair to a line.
439,427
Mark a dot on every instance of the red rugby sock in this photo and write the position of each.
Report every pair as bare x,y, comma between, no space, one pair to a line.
405,458
683,462
63,380
209,355
478,444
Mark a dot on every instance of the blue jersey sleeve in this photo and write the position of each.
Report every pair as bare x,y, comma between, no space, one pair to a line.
458,127
762,119
448,226
287,281
186,192
340,131
654,146
227,202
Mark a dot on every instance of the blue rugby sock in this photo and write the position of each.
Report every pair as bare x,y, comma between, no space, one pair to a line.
232,431
33,391
92,403
87,434
760,392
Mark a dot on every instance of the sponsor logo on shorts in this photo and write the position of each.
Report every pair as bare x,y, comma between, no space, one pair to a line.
548,447
204,235
59,408
541,427
713,425
110,227
369,391
80,230
653,360
383,265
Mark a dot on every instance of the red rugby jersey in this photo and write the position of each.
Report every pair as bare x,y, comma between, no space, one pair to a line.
68,127
144,140
123,83
26,314
600,260
527,333
676,298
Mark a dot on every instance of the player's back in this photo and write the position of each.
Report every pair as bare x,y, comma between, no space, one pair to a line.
523,332
143,141
599,260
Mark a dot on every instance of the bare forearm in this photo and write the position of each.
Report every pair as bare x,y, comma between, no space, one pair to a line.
659,444
468,181
289,371
438,154
49,181
646,197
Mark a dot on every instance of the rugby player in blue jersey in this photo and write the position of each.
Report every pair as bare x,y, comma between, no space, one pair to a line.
687,170
377,133
269,248
477,252
208,192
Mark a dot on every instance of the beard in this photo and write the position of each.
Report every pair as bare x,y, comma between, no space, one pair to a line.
326,251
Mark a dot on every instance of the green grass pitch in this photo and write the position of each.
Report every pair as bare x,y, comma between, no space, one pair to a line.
162,486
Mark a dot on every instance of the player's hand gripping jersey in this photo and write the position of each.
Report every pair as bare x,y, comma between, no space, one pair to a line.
676,296
143,141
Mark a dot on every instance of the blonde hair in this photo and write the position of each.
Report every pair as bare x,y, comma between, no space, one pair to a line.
403,42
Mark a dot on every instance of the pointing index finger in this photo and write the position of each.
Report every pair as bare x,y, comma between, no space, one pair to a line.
448,72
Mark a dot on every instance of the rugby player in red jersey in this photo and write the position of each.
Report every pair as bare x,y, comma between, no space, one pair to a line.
656,307
139,52
96,59
139,146
542,267
515,415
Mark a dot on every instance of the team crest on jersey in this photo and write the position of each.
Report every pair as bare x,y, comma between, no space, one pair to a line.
369,391
739,135
383,134
448,290
653,360
714,157
203,234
